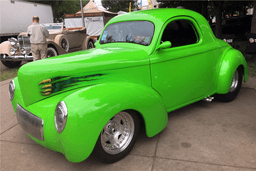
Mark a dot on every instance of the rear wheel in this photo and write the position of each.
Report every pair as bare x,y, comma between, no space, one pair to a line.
234,88
11,64
118,137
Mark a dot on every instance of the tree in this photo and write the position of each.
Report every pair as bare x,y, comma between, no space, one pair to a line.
117,5
198,6
253,27
218,5
212,8
62,7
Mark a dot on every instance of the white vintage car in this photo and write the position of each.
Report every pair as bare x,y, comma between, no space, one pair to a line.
60,41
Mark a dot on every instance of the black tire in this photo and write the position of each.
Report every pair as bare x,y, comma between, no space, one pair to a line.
90,45
64,43
234,88
51,52
120,126
11,64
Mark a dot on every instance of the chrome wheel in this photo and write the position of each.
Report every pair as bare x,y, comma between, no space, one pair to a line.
117,133
235,81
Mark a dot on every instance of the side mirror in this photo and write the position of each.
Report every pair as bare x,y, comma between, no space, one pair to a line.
164,45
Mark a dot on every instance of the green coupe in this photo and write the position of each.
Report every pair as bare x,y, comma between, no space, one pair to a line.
145,64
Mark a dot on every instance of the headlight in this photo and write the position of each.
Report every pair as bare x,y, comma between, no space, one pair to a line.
13,41
11,90
60,116
12,51
23,51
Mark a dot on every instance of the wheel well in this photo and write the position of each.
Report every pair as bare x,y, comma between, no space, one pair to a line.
241,68
142,121
52,46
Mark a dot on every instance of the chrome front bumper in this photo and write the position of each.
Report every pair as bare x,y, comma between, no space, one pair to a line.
30,123
15,58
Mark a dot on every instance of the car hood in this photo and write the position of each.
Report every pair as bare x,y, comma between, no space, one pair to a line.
45,78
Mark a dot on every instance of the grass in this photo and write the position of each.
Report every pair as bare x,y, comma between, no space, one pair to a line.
10,73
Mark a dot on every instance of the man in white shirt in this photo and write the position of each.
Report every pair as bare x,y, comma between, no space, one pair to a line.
38,35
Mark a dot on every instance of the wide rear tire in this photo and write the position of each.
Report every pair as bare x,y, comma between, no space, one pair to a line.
118,137
234,88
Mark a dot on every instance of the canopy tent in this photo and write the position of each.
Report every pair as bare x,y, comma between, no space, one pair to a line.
94,18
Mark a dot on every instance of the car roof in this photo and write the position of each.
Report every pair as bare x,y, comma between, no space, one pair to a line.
160,15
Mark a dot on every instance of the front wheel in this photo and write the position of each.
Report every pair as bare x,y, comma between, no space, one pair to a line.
51,52
234,88
11,64
118,137
90,45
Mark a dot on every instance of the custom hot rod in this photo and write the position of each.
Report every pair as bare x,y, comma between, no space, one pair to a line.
145,64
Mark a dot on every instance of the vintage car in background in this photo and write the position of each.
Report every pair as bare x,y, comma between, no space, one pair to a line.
145,64
70,39
60,41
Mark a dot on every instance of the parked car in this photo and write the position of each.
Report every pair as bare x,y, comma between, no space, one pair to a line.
70,39
60,41
146,64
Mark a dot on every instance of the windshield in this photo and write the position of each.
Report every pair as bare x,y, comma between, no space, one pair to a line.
139,32
53,26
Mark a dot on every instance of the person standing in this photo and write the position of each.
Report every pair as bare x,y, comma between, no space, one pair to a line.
38,35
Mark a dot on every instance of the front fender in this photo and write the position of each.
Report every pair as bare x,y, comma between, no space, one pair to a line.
5,48
89,109
230,62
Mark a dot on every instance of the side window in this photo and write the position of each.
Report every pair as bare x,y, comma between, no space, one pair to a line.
180,33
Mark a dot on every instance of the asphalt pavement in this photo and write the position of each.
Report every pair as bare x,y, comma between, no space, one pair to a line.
203,136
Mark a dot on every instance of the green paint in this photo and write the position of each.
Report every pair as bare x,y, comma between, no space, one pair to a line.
98,83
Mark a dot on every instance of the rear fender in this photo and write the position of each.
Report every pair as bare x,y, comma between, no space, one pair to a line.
91,108
85,42
230,63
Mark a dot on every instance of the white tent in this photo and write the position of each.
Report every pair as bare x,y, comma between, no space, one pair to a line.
94,17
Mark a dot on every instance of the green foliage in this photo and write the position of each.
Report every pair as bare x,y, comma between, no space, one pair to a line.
62,7
117,5
229,7
197,6
236,7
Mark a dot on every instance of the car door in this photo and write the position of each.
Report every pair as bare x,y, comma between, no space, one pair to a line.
75,37
182,73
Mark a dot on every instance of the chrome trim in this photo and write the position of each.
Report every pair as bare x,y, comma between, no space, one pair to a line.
234,82
11,90
30,123
5,57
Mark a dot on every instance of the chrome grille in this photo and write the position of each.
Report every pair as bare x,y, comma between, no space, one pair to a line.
24,42
32,124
